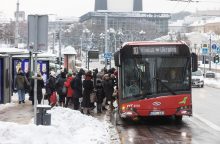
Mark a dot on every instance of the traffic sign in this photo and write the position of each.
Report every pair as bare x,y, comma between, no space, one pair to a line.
218,49
214,46
107,55
204,51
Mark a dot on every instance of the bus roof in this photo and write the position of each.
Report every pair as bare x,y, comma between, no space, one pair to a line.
151,43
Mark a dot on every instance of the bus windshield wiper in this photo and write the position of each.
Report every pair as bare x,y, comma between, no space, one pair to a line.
167,87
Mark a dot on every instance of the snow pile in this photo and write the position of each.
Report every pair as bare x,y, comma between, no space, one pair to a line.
211,82
68,127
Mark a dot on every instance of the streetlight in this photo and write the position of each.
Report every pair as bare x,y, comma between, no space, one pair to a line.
60,43
142,33
112,31
120,34
102,37
86,32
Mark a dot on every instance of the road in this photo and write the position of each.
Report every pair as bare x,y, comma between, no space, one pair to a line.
201,128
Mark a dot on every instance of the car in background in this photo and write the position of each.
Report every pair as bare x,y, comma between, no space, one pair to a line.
210,74
198,78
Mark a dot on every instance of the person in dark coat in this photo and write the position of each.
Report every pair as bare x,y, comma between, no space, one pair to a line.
99,95
78,88
88,88
59,86
20,84
50,85
108,88
40,86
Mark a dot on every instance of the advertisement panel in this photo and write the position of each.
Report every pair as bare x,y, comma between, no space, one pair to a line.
42,67
1,80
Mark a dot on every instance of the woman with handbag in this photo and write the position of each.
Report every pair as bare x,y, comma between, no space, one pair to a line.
61,89
88,88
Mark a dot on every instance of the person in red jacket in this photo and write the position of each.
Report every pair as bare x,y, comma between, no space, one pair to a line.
70,91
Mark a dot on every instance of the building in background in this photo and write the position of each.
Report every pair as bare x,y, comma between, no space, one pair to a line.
125,26
118,5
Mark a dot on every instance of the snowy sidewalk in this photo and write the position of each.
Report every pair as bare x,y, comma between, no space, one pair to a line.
19,113
67,126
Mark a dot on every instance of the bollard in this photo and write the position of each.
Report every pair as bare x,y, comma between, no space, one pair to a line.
43,118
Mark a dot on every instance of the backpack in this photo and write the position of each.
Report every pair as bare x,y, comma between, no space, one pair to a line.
72,83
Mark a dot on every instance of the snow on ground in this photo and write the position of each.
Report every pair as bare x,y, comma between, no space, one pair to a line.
67,126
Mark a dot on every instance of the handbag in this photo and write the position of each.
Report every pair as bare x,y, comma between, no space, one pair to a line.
53,98
93,97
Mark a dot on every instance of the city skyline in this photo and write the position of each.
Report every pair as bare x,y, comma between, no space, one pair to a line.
77,8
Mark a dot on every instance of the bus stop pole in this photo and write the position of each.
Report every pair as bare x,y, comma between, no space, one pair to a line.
35,71
106,37
35,90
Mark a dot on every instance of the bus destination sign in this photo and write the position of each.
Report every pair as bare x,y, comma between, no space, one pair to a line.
155,50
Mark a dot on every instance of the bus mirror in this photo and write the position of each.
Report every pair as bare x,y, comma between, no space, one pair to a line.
117,59
194,59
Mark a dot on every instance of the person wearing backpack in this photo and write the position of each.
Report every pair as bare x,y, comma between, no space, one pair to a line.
70,91
61,89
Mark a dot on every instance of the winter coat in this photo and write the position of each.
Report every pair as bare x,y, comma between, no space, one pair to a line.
70,91
88,87
108,88
21,81
40,86
99,93
78,86
60,84
50,85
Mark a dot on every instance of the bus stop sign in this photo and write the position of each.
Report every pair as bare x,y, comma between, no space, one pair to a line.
108,55
204,51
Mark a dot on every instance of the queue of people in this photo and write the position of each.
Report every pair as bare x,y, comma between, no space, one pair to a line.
77,88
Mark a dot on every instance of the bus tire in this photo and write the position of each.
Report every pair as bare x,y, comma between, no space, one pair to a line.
178,118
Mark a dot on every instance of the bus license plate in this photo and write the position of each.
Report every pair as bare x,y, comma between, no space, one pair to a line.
156,113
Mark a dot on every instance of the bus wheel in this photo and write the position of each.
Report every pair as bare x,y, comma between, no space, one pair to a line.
178,118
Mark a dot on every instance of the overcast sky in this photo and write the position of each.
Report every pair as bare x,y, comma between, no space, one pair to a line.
80,7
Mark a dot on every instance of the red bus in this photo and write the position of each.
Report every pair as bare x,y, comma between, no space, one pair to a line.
154,79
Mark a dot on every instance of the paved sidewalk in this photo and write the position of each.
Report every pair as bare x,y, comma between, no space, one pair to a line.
20,113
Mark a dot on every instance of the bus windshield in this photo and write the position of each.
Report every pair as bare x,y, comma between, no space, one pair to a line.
146,76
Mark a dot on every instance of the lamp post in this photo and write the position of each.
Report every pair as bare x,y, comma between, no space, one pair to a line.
112,31
142,33
60,43
102,37
86,32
